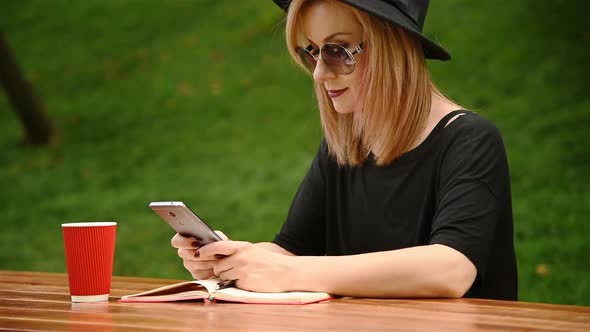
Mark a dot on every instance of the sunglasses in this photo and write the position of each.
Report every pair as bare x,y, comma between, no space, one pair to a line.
337,58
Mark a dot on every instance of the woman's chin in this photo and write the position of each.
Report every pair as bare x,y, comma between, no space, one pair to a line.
341,109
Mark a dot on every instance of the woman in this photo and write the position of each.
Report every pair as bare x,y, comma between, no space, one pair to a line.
408,194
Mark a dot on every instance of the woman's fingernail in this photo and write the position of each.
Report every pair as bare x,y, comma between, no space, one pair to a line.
196,244
197,254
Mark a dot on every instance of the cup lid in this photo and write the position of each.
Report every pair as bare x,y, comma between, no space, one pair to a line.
89,224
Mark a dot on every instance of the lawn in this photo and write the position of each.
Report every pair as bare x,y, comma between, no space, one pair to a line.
198,101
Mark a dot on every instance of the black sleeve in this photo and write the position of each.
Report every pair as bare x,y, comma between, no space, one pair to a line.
303,233
473,186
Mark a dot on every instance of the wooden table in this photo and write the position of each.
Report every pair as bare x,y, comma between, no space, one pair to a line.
35,301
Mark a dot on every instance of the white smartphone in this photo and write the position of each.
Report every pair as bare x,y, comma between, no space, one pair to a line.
184,221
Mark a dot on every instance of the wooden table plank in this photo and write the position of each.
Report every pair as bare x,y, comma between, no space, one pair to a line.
12,324
40,301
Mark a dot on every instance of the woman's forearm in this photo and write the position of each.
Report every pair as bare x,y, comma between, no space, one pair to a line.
274,248
424,271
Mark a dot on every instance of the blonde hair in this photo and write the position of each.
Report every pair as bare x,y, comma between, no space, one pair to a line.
395,88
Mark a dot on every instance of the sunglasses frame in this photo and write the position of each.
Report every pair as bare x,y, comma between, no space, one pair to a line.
358,49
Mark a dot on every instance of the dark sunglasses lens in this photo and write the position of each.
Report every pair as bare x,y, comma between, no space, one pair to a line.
306,58
337,59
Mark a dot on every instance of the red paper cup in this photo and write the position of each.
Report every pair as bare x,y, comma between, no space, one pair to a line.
90,250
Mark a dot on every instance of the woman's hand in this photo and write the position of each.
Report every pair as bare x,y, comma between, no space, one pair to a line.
253,267
199,268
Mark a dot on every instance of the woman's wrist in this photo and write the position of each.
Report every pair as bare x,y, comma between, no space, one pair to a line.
292,273
270,246
299,273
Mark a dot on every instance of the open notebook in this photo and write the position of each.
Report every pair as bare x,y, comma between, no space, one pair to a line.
206,290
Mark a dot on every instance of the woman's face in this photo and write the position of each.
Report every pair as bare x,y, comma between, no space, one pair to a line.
333,22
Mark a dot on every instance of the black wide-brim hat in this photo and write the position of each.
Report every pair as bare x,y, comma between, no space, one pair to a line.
407,14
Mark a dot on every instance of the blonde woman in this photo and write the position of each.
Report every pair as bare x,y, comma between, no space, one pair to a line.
408,194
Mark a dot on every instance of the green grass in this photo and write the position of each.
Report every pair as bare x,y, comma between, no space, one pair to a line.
198,101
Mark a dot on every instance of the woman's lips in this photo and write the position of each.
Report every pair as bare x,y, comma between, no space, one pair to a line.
336,93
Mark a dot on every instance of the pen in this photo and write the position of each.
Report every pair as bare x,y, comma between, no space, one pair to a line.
225,284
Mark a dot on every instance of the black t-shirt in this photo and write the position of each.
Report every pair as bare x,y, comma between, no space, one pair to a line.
453,189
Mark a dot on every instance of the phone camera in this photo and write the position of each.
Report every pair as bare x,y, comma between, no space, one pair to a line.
171,214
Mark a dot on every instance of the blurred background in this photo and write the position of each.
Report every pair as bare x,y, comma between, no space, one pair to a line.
198,101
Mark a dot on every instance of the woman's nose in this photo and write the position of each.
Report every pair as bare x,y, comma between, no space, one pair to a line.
321,73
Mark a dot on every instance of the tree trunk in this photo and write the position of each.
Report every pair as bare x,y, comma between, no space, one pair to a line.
38,127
